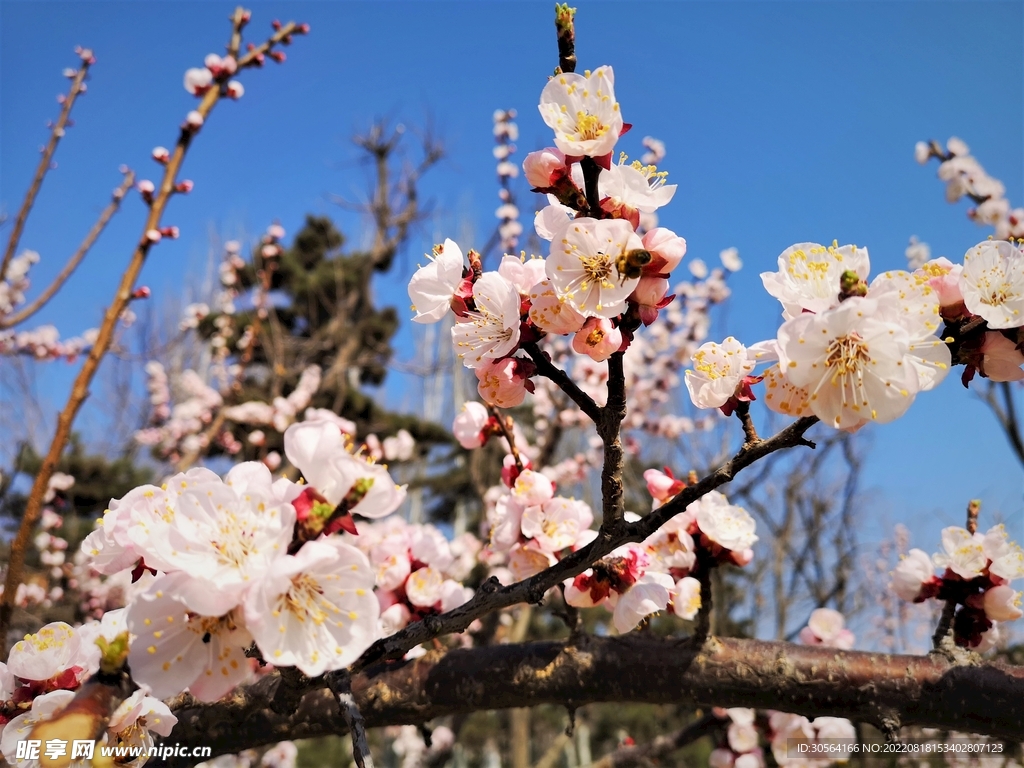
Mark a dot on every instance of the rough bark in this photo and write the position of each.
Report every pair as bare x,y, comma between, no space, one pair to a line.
882,689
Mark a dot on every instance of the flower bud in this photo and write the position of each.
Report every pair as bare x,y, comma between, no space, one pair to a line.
154,236
170,232
161,155
235,90
142,292
193,121
544,168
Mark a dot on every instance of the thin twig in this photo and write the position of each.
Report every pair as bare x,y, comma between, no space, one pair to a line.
504,424
749,431
80,389
76,258
341,686
44,162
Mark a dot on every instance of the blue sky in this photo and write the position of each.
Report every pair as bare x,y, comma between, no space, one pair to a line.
784,122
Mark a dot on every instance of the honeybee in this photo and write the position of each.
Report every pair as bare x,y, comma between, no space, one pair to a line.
631,263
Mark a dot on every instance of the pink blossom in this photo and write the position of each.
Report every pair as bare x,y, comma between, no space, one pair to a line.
1001,360
650,295
544,168
198,80
662,485
500,383
666,248
598,339
469,425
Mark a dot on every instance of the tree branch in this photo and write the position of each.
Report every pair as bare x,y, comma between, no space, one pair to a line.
928,691
549,370
77,86
492,597
80,389
76,258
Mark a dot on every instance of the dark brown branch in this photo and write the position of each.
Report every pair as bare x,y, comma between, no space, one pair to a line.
341,687
76,258
77,86
493,597
609,429
876,688
549,370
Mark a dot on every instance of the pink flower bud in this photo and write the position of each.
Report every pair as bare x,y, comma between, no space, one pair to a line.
276,231
661,485
213,62
666,247
468,426
146,189
142,292
544,167
302,29
61,98
278,56
154,236
70,73
276,24
194,120
235,89
650,296
184,186
597,338
198,80
170,232
161,155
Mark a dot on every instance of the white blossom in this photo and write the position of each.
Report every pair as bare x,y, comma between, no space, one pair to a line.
492,330
433,286
584,265
992,283
582,111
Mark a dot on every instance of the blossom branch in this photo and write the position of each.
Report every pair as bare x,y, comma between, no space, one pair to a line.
561,379
506,431
104,338
77,87
76,258
943,639
876,688
493,597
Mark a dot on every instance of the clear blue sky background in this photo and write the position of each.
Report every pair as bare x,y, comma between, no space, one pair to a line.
784,122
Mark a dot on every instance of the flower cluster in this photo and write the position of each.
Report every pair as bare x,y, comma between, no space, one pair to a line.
977,571
848,352
45,669
600,281
965,177
248,560
216,70
45,343
638,580
419,572
505,133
